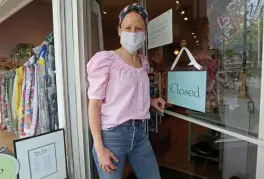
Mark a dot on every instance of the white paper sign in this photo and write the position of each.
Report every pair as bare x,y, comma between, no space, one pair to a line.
42,156
160,30
43,161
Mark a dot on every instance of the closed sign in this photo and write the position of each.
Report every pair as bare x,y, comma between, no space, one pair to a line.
187,89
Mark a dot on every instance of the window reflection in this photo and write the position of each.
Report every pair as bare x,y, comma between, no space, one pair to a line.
225,37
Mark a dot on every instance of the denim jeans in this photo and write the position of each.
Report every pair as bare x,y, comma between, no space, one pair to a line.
129,141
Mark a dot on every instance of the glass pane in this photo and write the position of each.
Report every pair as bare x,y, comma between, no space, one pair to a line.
225,37
192,151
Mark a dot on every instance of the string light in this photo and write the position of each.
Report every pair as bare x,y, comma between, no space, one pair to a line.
185,18
177,2
182,12
176,52
105,12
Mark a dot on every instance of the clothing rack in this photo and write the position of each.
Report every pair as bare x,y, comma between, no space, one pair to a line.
28,93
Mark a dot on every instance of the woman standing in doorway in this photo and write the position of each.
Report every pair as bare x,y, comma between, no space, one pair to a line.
119,102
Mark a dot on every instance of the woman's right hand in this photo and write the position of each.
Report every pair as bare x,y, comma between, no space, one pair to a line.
105,159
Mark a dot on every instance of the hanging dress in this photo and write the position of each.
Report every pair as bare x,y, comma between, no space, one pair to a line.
43,124
9,77
17,97
51,84
27,97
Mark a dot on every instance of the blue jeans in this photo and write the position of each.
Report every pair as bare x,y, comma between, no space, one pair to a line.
129,141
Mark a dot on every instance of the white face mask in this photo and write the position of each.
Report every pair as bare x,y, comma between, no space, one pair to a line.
131,41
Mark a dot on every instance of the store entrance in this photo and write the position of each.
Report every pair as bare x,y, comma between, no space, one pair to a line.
225,38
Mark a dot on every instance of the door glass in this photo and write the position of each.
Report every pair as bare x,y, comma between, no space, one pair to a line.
225,38
185,150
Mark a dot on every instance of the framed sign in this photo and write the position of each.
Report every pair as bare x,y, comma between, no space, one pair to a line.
42,156
187,89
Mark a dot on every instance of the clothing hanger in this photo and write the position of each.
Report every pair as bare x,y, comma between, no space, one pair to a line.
190,56
2,148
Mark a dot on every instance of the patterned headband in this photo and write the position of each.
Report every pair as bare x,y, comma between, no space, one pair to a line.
134,8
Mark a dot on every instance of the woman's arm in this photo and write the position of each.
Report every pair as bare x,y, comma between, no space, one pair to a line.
95,122
98,69
105,157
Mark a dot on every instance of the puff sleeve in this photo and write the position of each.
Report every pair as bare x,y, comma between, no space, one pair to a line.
98,69
145,62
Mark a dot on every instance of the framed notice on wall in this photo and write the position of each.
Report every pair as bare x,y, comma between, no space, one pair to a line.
42,156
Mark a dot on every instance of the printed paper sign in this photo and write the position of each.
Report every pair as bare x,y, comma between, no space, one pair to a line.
160,30
187,89
43,161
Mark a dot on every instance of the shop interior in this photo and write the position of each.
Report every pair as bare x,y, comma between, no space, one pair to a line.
214,32
27,73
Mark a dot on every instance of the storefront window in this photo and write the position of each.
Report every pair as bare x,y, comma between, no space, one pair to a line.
225,38
193,151
227,43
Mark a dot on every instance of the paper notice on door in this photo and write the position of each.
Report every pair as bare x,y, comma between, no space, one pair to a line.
160,30
43,161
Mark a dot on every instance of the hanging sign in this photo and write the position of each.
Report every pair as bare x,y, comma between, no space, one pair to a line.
42,156
187,88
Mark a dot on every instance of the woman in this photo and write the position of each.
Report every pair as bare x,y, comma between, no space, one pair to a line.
119,102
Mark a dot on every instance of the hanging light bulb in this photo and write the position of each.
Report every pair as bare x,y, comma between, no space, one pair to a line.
182,12
185,18
177,2
194,36
193,33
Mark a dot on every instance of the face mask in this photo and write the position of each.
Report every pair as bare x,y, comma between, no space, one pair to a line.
131,41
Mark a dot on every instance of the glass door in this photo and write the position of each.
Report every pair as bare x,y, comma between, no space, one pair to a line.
220,136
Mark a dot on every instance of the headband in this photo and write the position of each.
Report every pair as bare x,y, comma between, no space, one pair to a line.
134,8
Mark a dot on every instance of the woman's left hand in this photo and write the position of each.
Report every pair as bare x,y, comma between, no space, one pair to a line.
158,103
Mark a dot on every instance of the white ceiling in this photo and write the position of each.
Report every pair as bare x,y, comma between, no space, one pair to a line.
10,7
2,2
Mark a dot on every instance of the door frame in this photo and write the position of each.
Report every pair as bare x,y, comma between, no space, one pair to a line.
78,14
71,21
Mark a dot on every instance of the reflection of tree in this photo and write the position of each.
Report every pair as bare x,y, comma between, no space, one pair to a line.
242,21
245,35
252,35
